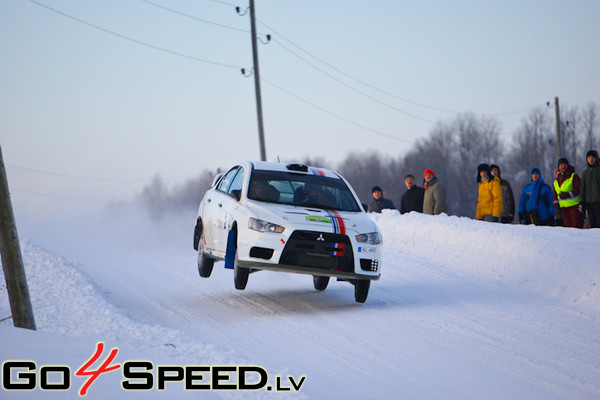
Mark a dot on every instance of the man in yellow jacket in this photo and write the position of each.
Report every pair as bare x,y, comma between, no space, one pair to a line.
489,201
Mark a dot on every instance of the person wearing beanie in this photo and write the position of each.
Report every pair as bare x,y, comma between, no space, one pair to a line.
508,198
535,204
434,199
412,199
379,202
590,189
566,195
489,200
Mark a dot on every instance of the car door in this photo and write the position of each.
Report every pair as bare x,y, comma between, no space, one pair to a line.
214,216
228,208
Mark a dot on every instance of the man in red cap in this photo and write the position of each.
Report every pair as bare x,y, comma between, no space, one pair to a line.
434,201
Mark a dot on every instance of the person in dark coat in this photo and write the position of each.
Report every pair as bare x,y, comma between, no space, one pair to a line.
412,200
379,201
590,189
508,198
535,205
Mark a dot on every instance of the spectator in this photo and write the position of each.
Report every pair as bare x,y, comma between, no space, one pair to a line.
412,200
508,198
558,215
566,194
434,199
379,201
590,189
489,201
535,205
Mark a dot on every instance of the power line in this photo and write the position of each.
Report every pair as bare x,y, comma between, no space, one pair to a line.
370,85
86,178
294,53
197,59
134,40
224,2
333,114
357,90
195,18
318,68
51,196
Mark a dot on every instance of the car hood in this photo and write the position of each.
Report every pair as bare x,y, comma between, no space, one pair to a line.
313,219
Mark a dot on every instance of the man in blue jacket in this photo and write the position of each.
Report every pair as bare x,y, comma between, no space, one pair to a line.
535,205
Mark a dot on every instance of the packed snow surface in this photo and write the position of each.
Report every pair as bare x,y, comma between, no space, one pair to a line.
463,310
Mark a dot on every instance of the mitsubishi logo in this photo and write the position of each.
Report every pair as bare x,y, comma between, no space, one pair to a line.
321,238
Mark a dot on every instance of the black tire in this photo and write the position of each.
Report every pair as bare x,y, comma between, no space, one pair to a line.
361,290
197,233
240,274
320,282
240,277
205,263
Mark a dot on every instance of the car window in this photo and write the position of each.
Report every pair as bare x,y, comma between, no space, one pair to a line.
301,190
237,182
227,179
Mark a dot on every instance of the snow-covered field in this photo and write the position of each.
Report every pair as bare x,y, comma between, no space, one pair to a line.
464,310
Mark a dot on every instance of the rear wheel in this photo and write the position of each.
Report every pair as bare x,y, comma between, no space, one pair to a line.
361,290
320,282
205,263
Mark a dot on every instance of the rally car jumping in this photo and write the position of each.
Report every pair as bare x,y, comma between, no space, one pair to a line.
290,218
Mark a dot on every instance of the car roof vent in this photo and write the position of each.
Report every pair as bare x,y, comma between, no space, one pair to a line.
297,167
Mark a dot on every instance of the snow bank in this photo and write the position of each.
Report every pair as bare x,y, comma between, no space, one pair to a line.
560,263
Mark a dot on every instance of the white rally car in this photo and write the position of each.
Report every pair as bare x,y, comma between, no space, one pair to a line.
291,218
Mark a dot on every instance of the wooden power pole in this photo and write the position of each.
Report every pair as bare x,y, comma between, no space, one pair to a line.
261,134
558,140
12,260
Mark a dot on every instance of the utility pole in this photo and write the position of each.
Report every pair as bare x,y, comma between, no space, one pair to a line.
558,140
261,134
12,260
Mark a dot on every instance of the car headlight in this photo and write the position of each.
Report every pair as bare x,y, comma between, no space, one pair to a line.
370,238
264,226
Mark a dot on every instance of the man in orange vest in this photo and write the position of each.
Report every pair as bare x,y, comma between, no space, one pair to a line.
566,194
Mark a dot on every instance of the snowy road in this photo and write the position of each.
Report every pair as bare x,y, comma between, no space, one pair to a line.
464,310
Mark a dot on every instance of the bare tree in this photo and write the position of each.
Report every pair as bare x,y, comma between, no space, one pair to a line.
366,170
572,141
590,125
477,141
159,201
534,145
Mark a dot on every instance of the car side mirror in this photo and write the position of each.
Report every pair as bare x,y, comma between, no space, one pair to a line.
237,194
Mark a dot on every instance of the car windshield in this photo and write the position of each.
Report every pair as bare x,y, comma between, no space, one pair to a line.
301,190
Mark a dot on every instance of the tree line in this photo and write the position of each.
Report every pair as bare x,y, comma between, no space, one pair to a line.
453,150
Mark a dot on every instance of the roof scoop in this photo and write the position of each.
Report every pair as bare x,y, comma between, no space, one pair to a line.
297,167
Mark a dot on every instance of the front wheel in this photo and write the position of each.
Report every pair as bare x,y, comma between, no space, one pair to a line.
240,274
361,290
240,277
320,282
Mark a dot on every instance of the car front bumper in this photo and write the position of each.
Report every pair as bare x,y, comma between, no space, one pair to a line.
309,252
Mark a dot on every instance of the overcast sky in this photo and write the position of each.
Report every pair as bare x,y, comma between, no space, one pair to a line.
103,95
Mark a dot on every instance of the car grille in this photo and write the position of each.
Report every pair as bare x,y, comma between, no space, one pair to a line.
319,250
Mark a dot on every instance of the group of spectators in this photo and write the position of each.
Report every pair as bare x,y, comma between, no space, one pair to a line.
564,204
430,199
